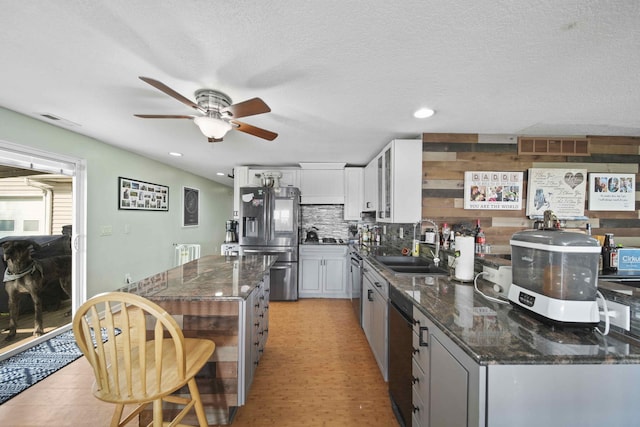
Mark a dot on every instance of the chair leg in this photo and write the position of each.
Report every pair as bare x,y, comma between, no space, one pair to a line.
195,396
157,413
117,415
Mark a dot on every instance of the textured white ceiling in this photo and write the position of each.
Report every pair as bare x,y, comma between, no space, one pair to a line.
342,77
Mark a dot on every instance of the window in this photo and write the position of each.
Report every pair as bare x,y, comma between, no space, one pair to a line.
31,225
7,225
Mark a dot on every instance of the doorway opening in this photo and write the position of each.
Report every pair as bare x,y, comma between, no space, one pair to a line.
41,200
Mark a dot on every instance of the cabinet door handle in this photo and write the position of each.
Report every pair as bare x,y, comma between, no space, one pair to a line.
424,342
415,380
416,409
415,350
370,294
378,285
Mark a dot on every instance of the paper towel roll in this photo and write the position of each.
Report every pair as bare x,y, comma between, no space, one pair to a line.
464,263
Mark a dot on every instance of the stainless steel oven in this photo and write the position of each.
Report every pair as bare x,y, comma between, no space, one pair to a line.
355,282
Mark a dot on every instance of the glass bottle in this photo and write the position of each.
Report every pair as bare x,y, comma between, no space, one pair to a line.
609,254
444,236
480,242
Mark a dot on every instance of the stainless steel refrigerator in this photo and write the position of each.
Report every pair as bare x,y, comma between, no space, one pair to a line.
269,221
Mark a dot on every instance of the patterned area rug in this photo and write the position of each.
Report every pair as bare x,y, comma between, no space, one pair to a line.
23,370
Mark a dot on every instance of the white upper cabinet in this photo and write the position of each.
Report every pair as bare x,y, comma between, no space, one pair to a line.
290,176
399,178
370,195
353,192
322,183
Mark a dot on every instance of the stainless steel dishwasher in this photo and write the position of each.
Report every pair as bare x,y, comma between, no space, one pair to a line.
355,280
400,352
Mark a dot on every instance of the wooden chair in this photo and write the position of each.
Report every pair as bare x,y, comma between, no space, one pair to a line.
134,366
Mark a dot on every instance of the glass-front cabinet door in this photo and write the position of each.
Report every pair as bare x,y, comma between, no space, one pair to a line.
387,183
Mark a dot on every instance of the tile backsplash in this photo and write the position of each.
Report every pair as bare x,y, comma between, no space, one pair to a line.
329,219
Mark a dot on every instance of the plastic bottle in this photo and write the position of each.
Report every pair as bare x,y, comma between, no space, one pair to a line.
480,241
609,254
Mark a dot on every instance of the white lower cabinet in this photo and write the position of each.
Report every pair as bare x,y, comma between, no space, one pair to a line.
375,310
450,389
323,272
256,330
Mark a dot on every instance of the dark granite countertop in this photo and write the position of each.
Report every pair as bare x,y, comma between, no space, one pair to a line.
208,278
493,333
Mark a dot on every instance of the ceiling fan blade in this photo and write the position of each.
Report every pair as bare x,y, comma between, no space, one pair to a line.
255,131
250,107
162,116
172,93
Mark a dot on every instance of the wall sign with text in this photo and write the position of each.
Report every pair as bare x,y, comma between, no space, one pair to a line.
612,192
561,190
493,190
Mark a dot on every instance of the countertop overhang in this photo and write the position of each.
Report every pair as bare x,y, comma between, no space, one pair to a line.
211,277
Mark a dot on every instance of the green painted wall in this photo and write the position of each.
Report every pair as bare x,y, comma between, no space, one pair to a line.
148,247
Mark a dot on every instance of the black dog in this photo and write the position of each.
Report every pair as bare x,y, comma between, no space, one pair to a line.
27,275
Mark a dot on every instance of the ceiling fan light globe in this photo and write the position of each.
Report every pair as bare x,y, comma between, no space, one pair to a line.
212,127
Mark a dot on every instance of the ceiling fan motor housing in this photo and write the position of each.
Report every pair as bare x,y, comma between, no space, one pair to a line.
211,100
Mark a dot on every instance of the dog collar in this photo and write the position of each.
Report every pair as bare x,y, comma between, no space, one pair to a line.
9,276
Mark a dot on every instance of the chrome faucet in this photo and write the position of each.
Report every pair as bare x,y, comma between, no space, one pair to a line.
436,254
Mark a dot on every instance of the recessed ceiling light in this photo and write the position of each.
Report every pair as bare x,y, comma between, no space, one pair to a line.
175,154
220,173
423,113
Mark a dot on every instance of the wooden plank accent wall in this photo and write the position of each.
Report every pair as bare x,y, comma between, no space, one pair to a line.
446,157
217,320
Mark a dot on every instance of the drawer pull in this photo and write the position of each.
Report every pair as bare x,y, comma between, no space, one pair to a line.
424,342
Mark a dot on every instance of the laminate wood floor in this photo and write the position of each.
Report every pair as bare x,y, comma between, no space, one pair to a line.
317,370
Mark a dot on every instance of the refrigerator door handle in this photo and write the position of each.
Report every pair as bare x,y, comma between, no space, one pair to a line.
267,251
269,205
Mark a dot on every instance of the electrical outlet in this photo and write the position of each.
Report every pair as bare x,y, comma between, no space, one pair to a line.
619,315
401,233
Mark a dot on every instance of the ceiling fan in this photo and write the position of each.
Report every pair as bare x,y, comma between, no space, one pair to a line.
219,113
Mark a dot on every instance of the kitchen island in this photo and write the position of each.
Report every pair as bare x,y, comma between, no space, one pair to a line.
225,299
482,363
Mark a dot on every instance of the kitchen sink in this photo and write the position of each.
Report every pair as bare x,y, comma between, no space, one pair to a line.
410,265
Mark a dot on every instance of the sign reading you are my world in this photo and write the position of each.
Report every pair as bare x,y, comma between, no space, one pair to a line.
561,190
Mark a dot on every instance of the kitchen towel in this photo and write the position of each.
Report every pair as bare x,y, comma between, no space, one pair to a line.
465,245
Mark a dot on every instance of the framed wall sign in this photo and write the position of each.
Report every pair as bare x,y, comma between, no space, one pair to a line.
561,190
190,206
493,190
141,195
612,192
